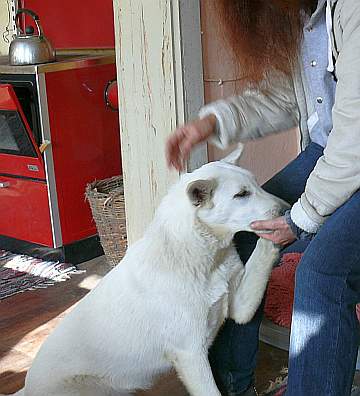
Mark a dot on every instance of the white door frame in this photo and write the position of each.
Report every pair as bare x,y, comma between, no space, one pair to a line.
160,80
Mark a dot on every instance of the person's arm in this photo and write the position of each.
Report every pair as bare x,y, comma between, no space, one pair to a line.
255,113
252,114
337,173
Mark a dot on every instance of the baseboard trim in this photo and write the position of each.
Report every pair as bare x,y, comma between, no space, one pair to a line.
74,253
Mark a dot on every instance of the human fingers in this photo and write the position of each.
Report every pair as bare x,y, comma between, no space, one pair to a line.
272,224
172,150
280,237
192,136
180,144
277,238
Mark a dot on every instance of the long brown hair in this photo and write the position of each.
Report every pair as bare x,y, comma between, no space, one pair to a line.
265,35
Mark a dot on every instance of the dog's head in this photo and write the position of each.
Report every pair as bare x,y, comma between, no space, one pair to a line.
225,195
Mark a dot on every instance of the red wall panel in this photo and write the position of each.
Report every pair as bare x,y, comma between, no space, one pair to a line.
76,23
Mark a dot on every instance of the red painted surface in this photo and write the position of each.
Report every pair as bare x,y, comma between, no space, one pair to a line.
19,166
24,205
85,141
8,100
76,24
15,164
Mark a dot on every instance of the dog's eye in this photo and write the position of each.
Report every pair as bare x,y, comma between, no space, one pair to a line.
242,194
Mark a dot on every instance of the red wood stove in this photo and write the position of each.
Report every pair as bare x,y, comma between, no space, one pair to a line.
56,135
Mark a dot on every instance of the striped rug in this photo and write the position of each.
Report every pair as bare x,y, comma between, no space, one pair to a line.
19,273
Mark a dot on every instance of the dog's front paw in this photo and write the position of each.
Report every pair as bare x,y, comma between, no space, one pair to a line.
244,315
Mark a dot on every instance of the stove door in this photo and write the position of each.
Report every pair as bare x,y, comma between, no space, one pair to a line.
24,210
19,154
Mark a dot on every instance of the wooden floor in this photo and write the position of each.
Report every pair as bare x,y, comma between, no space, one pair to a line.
27,319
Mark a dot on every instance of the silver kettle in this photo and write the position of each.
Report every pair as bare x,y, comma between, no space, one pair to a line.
30,49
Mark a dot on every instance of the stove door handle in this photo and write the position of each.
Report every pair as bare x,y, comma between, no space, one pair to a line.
44,145
4,184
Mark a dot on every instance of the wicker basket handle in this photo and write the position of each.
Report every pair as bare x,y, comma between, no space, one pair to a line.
112,196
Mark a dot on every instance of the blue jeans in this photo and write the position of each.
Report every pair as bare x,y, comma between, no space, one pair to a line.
325,330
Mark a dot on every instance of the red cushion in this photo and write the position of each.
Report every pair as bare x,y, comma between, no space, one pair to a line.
280,292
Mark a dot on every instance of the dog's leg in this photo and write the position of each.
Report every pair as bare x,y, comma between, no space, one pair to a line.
247,292
195,372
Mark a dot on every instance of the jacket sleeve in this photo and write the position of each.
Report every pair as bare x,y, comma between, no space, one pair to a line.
254,113
336,175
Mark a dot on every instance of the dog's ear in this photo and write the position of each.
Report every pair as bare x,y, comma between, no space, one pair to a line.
234,157
200,192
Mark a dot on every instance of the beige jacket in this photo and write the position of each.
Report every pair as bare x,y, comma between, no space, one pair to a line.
283,104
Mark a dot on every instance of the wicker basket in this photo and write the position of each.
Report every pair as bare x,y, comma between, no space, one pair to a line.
106,198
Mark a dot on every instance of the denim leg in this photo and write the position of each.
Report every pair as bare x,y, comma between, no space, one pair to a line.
234,352
289,183
325,329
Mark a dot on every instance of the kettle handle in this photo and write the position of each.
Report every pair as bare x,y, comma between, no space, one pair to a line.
34,16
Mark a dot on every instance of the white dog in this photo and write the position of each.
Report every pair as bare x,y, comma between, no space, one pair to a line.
162,306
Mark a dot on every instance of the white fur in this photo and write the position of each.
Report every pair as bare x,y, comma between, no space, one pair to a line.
162,306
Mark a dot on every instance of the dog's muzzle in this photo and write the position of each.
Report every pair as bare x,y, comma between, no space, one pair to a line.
277,211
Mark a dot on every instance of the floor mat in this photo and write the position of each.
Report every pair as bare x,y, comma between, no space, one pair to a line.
19,273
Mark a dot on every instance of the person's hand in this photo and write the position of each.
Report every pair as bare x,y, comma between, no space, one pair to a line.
180,143
278,231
